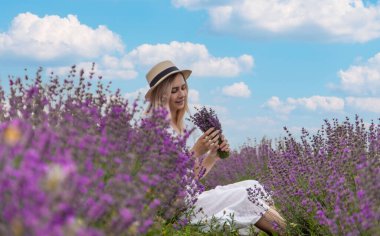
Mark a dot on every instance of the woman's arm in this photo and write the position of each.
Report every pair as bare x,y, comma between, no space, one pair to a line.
205,142
204,165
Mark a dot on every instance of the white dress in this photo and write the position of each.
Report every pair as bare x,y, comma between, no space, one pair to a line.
240,204
230,204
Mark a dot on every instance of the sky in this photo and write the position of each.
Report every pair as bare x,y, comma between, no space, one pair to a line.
261,64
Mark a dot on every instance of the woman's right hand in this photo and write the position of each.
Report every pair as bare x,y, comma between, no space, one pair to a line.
206,142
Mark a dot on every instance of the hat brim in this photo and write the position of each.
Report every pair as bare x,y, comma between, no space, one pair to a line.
186,75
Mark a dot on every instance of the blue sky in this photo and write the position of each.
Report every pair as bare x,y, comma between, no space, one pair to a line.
262,64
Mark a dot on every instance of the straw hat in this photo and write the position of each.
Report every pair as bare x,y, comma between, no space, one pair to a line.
160,72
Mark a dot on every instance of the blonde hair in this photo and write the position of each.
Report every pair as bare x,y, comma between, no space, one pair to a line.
161,94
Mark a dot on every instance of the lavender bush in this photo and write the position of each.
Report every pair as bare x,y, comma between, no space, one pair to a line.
77,160
323,184
40,186
205,119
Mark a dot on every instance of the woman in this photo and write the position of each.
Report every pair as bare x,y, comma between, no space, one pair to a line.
168,89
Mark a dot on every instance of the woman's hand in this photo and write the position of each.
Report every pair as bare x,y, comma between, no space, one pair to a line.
224,146
208,141
209,161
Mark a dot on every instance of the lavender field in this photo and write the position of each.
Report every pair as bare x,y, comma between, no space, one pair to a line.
76,159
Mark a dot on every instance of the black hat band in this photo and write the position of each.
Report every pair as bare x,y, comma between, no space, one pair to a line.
162,74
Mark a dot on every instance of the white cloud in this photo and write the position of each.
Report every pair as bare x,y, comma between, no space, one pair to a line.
318,102
185,55
57,39
332,20
369,104
362,79
279,106
237,90
192,56
52,37
108,67
193,96
312,103
138,93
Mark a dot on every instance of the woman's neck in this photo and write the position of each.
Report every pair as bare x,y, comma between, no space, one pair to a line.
173,117
173,113
175,127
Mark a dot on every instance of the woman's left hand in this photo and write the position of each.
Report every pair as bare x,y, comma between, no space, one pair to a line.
224,146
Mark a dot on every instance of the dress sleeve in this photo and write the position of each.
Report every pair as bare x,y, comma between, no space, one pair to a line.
193,138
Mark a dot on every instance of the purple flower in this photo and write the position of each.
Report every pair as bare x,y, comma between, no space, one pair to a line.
126,215
205,119
72,158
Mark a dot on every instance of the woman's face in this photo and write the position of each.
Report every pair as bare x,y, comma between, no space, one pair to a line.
178,95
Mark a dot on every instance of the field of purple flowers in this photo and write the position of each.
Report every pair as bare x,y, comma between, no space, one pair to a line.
77,159
323,184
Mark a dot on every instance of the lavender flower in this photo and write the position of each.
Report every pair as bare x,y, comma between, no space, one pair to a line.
205,119
76,160
325,184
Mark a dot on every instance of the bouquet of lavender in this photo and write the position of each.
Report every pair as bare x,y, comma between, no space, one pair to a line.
205,119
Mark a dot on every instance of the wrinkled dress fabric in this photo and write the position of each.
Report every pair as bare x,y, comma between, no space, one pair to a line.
228,204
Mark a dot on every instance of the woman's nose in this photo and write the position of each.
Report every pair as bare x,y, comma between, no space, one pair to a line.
181,93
